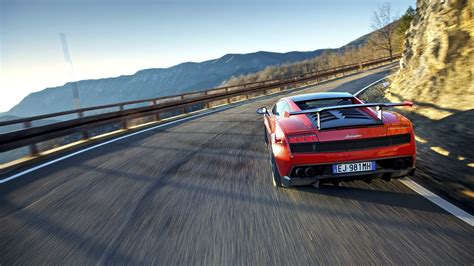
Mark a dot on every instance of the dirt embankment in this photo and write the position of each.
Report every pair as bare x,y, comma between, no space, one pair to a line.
436,73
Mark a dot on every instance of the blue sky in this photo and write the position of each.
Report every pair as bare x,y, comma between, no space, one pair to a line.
115,37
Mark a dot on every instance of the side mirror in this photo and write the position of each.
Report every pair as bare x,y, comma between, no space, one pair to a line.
286,114
262,110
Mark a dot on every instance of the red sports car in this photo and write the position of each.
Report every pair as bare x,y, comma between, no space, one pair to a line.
332,137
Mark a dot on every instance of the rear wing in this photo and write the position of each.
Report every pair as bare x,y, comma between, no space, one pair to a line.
378,106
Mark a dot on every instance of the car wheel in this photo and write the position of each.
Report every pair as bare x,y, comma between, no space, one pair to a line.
276,177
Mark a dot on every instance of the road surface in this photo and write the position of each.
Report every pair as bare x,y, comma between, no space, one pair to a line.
200,192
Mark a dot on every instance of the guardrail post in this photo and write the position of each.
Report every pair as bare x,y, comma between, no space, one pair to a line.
85,135
124,119
206,105
32,147
157,114
183,110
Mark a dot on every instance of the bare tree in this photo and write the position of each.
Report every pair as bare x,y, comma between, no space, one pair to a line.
383,23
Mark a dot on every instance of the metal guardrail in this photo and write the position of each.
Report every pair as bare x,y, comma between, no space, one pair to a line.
31,136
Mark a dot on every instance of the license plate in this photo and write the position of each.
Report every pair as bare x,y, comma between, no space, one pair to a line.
353,167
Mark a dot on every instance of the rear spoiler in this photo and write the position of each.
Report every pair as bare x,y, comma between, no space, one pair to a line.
378,106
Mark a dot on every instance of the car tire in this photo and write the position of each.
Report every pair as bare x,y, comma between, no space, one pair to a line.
266,135
276,177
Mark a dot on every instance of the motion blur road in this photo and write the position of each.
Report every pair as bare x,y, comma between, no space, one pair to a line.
200,192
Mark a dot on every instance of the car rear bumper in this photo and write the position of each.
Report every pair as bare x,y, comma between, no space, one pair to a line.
287,162
381,173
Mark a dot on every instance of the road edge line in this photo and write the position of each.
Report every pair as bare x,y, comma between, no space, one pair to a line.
368,86
24,172
437,200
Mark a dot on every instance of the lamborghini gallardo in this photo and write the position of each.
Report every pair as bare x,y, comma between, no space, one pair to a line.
335,137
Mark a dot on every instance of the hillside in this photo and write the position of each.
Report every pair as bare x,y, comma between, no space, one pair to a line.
439,52
361,49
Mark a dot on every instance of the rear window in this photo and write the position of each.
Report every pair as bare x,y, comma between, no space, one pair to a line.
311,104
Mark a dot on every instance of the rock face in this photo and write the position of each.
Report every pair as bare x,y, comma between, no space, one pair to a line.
436,73
438,59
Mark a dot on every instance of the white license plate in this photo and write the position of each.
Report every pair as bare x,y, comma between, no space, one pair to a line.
353,167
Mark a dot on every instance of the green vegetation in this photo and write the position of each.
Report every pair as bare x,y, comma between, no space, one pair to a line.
328,59
405,21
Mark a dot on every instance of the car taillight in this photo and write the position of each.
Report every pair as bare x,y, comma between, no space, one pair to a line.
278,136
302,138
398,129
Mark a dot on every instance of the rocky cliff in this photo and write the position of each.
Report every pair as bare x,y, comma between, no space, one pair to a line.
438,59
436,73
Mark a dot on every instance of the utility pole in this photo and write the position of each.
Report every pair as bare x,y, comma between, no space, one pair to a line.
67,57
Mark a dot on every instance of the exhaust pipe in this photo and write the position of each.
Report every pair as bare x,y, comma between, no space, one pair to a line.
309,172
299,172
399,164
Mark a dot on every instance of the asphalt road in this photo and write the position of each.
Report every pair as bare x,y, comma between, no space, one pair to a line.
200,192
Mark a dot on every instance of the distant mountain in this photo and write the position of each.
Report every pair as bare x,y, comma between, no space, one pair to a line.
157,82
6,117
364,39
149,83
359,41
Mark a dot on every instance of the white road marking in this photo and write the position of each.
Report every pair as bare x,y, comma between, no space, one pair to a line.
108,142
368,86
445,205
437,200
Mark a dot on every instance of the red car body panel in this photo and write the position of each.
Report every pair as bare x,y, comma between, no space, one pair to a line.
280,128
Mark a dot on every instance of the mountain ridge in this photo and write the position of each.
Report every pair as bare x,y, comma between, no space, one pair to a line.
158,82
154,82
